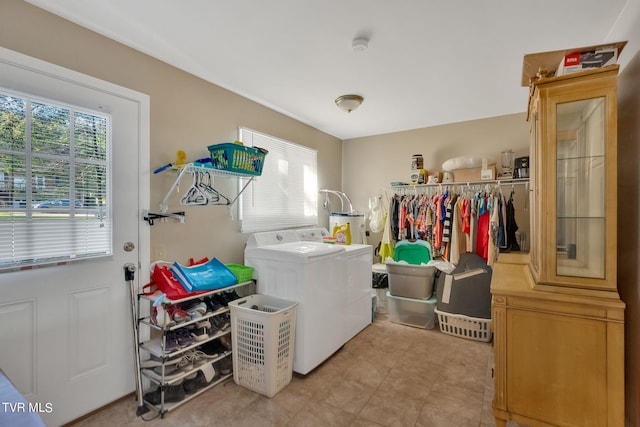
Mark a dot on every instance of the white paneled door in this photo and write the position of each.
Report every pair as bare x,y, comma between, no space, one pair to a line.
66,330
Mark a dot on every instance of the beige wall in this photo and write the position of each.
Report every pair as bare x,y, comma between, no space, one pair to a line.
370,164
186,113
628,227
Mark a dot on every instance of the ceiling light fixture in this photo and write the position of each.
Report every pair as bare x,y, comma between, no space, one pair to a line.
349,103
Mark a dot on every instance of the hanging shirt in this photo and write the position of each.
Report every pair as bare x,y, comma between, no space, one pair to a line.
512,226
482,246
446,231
439,224
458,240
494,227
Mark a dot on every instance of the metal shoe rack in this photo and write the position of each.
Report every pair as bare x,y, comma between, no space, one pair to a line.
156,347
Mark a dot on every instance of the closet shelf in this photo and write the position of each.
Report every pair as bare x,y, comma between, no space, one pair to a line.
464,183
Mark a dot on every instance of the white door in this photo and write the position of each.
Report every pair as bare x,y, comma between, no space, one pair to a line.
66,331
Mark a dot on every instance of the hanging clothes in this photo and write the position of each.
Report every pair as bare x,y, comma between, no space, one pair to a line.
482,247
511,226
494,229
386,247
458,239
453,222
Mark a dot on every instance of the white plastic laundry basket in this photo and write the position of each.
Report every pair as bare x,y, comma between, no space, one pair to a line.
472,328
262,334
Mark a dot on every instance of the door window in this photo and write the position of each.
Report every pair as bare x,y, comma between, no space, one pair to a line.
54,182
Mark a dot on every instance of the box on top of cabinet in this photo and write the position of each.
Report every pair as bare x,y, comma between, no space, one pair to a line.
546,63
580,61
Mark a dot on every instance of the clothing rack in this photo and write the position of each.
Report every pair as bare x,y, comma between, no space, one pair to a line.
476,186
441,185
426,211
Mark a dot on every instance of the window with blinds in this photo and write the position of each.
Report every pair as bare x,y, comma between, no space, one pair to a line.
54,182
286,194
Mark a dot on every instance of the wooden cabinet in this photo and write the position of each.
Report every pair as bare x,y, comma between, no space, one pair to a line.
573,177
559,358
558,319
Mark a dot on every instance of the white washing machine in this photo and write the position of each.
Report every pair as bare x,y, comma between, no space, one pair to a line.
358,259
312,274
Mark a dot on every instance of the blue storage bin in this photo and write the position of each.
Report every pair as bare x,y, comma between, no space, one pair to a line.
237,158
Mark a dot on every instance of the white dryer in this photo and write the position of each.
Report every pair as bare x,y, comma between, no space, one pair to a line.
358,259
312,274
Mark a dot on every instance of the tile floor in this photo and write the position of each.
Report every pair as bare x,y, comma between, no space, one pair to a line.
388,375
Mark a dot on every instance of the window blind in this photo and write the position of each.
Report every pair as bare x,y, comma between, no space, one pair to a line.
286,194
54,182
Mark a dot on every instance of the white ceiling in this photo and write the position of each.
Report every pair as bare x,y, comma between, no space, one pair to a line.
428,63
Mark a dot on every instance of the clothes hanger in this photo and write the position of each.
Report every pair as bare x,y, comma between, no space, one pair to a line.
215,195
194,195
206,185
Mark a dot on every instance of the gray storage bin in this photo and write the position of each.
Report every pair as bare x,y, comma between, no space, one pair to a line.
468,291
411,281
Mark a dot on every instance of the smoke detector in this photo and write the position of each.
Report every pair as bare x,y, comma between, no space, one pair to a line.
360,44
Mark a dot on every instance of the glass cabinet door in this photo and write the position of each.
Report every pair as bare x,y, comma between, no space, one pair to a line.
580,188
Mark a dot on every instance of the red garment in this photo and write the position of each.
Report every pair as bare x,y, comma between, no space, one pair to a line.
465,211
482,247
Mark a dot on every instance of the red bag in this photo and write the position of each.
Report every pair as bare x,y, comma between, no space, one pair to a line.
164,281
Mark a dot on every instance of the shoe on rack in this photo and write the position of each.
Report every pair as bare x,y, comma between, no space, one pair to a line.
152,363
199,357
225,340
222,322
171,343
221,349
213,305
195,306
231,295
203,324
220,299
161,318
172,393
186,364
200,334
224,366
213,349
178,314
184,337
213,330
192,382
170,372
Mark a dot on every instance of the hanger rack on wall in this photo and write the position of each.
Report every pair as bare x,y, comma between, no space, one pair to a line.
201,193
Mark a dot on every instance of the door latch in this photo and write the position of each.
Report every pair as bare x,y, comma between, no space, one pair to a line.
129,270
